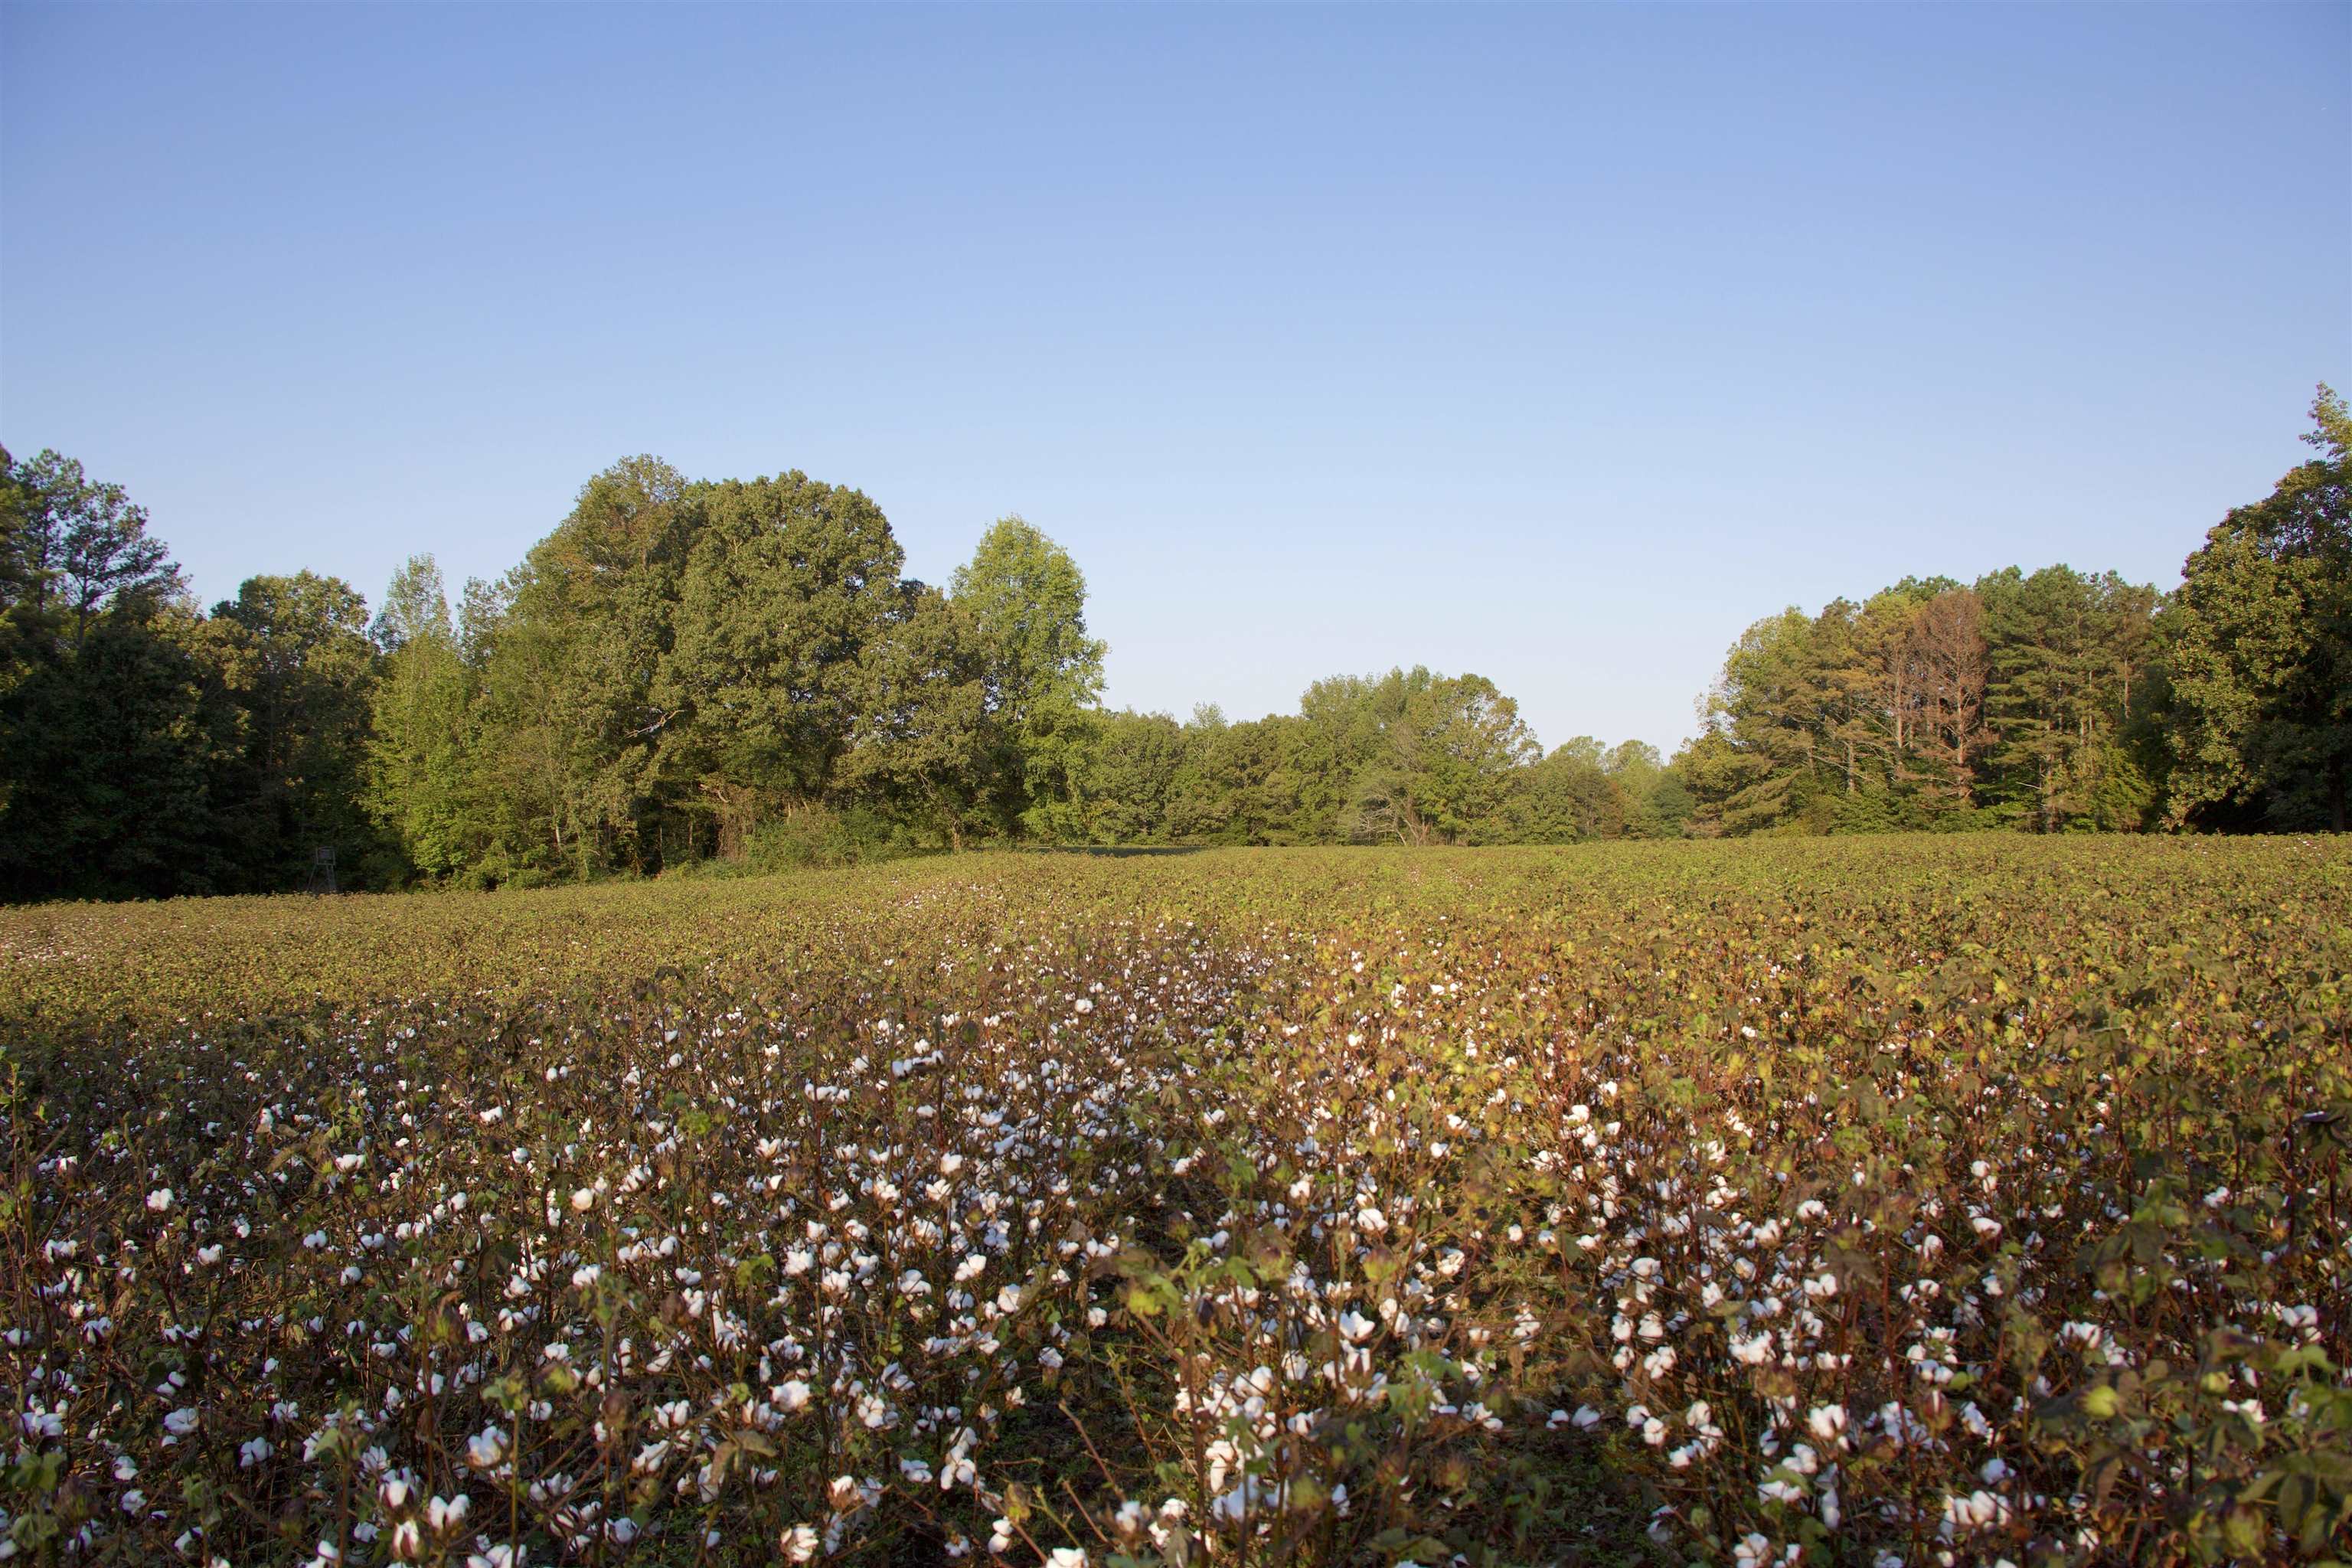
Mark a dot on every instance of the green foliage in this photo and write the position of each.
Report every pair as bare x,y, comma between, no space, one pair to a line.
573,720
147,749
1437,758
295,656
817,837
108,732
1025,601
417,785
685,673
925,743
2025,701
2058,701
787,583
2068,654
1132,778
79,547
2258,646
126,767
1244,783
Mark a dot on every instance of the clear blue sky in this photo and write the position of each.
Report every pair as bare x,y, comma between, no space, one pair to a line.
1557,343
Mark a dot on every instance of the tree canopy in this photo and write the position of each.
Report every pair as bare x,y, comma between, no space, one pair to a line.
690,673
2258,649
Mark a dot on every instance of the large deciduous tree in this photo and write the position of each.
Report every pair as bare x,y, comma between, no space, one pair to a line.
295,656
1565,797
2259,644
571,676
1131,777
787,584
922,741
1027,604
1443,759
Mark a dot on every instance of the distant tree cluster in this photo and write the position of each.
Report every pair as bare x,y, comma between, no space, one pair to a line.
1409,757
146,747
2026,699
2059,702
687,672
730,673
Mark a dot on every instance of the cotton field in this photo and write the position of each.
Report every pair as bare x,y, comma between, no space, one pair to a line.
1892,1204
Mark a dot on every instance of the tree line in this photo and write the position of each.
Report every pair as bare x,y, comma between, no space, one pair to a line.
696,674
2058,701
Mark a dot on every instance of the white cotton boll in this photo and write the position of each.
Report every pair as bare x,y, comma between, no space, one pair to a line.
486,1448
